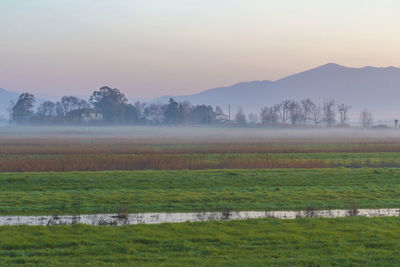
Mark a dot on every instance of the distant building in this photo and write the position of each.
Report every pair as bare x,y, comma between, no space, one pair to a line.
87,115
222,118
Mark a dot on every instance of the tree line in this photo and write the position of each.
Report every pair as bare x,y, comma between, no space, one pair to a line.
113,108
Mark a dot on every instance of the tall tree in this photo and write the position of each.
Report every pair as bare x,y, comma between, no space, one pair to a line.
110,102
252,118
155,113
366,118
202,114
343,111
268,115
307,106
316,115
240,117
47,109
131,114
295,112
171,113
22,111
329,112
284,110
185,110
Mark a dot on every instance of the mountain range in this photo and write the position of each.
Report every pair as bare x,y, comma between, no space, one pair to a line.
377,89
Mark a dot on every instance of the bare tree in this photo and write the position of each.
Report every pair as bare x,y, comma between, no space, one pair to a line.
240,117
343,110
366,118
316,114
252,118
269,115
329,112
155,113
295,112
283,110
307,105
140,108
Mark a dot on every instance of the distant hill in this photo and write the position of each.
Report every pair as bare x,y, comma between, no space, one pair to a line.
5,98
377,89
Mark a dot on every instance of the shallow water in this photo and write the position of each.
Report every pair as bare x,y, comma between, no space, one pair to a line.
157,218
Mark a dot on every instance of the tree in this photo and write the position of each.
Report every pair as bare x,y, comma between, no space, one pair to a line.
110,102
171,113
343,110
316,114
155,113
202,114
329,112
47,109
69,103
307,106
59,110
253,118
131,115
269,115
82,104
295,112
140,108
366,118
185,109
396,121
22,111
240,117
218,110
283,110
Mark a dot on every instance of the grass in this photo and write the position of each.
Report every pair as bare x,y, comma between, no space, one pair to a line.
265,242
167,191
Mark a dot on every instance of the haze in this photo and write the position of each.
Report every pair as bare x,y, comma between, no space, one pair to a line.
153,48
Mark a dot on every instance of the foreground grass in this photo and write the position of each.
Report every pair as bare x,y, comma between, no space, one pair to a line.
301,242
167,191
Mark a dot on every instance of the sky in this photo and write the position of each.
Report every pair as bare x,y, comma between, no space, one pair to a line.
149,48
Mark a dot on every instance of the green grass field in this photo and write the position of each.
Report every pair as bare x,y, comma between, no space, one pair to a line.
267,242
202,190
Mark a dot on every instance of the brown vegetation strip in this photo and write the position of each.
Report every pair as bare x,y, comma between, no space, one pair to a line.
148,161
87,147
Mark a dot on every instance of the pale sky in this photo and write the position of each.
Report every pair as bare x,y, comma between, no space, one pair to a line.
148,48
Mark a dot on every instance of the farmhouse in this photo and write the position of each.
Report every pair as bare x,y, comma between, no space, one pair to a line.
87,115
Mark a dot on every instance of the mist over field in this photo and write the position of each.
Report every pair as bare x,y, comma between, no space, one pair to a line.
199,135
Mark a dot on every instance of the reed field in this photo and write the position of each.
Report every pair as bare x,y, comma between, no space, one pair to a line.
107,152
